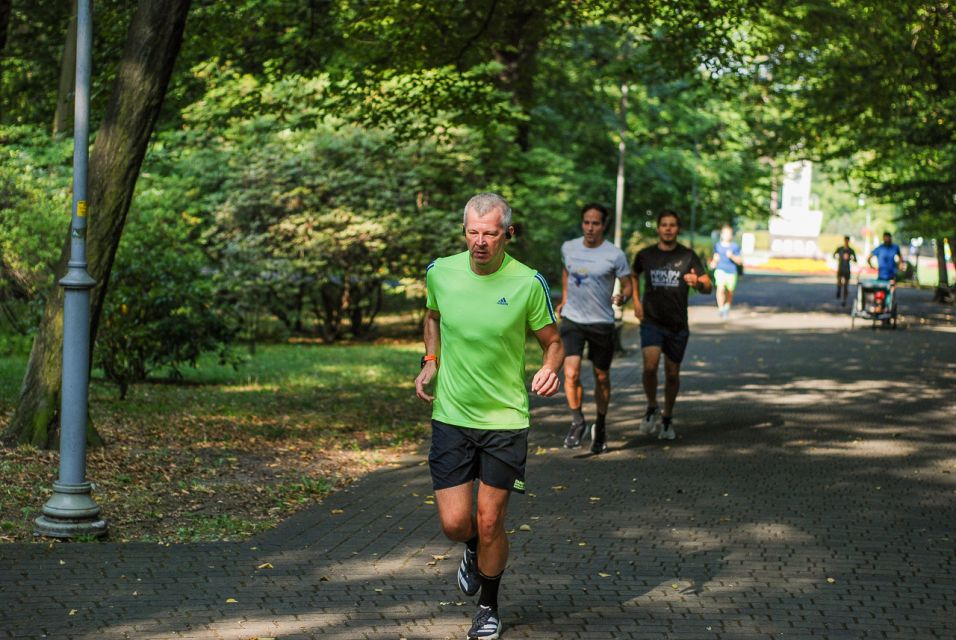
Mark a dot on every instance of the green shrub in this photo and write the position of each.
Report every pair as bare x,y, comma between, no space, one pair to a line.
161,310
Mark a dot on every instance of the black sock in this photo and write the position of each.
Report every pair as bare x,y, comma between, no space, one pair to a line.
489,590
472,544
600,420
577,416
666,420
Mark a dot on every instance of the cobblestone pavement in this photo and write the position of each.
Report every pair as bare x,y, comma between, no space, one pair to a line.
810,494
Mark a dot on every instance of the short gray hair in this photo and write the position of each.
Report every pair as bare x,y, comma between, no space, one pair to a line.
485,203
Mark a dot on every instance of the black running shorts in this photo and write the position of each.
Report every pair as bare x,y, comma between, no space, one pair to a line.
598,337
459,455
672,343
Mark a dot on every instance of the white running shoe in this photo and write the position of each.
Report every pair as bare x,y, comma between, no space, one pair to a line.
649,422
667,432
486,624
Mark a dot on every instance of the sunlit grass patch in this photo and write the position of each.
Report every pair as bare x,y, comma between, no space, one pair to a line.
223,453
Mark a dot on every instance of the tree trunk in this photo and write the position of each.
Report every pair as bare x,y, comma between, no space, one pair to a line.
63,117
522,33
152,44
941,263
5,7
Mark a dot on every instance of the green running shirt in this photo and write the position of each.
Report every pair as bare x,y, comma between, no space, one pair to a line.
484,321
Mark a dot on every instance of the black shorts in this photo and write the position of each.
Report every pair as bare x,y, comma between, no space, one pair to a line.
458,455
672,343
599,339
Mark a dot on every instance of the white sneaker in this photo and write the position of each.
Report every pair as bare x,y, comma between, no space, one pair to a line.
650,420
667,432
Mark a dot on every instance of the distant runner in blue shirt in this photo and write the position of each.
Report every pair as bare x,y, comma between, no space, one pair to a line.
888,258
724,262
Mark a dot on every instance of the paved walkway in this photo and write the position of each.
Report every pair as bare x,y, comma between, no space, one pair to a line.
810,495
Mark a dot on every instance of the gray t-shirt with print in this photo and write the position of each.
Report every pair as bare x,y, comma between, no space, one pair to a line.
591,275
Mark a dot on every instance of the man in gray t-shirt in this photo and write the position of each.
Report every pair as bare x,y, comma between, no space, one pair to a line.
591,265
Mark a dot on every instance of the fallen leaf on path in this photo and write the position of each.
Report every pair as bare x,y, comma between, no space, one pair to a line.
524,527
265,565
231,601
72,612
604,575
336,512
831,580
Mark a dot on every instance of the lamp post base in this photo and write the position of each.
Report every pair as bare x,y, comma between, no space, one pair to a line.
70,513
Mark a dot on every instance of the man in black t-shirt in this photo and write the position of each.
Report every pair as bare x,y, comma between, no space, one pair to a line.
844,255
670,270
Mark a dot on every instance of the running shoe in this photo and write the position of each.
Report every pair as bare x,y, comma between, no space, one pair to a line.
486,624
598,439
667,431
468,582
573,441
650,420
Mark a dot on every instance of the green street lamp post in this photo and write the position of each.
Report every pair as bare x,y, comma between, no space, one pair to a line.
71,512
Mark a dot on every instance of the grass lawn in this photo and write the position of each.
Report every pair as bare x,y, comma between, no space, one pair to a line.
224,454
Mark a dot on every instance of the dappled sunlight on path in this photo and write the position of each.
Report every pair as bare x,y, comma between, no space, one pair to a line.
810,493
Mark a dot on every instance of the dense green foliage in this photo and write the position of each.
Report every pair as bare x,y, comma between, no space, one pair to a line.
310,187
312,158
873,82
34,205
162,311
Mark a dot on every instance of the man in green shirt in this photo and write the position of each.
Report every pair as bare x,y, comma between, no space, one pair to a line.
481,303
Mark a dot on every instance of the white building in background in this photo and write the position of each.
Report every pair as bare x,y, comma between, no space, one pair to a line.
795,230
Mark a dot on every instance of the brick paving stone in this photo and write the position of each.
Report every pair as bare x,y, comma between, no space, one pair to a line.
810,494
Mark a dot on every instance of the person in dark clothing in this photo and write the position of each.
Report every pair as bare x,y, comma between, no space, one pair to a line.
670,270
844,255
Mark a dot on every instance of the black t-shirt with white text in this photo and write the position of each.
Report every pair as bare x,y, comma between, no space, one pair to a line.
665,292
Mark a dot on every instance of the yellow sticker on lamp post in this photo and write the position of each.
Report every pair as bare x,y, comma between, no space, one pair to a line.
81,208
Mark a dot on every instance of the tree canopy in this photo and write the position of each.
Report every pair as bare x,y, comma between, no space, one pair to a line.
315,156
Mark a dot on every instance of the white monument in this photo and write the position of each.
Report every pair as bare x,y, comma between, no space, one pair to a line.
795,229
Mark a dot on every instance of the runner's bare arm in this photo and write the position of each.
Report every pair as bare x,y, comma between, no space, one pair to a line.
564,293
636,292
625,293
700,282
546,381
432,346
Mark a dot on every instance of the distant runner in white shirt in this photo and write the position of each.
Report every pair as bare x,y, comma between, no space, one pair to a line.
591,265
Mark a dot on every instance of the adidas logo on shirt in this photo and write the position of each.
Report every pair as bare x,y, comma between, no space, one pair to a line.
503,301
